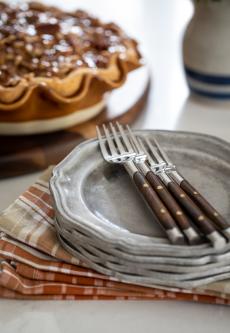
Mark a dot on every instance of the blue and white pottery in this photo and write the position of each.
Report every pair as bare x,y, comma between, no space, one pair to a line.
206,49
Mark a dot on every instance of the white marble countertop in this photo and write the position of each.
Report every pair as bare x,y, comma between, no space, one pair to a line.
159,25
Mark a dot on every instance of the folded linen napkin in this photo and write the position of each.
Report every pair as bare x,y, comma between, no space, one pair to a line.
35,266
38,268
24,288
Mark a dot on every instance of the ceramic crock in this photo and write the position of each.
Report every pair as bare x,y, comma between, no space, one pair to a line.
206,49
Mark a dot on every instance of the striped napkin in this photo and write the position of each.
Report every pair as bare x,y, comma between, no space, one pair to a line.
33,264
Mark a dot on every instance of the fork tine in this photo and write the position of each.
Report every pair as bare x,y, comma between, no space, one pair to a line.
117,139
102,144
149,157
111,145
154,151
125,138
162,152
134,140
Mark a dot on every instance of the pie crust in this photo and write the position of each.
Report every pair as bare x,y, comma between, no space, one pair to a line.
54,64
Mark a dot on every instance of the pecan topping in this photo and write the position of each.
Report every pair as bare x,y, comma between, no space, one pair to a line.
37,40
47,28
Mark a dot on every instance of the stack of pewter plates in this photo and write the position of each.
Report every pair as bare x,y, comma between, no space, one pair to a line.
102,220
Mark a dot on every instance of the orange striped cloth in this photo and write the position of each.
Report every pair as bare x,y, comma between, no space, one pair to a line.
33,265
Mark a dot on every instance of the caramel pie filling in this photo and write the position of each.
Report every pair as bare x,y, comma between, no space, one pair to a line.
59,60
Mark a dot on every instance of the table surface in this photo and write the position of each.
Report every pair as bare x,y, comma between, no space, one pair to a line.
159,26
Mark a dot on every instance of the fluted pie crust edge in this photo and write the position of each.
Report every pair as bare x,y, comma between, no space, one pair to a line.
41,98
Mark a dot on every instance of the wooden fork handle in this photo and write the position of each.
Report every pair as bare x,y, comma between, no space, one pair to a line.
198,217
182,220
209,210
158,208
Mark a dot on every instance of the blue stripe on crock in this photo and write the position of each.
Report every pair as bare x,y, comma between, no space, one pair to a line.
210,94
206,78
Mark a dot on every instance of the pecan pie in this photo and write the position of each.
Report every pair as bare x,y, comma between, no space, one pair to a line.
56,66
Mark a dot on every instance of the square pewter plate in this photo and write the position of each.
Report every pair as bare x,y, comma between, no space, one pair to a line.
100,200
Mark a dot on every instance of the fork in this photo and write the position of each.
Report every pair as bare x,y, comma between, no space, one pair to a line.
158,185
209,210
199,218
115,149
